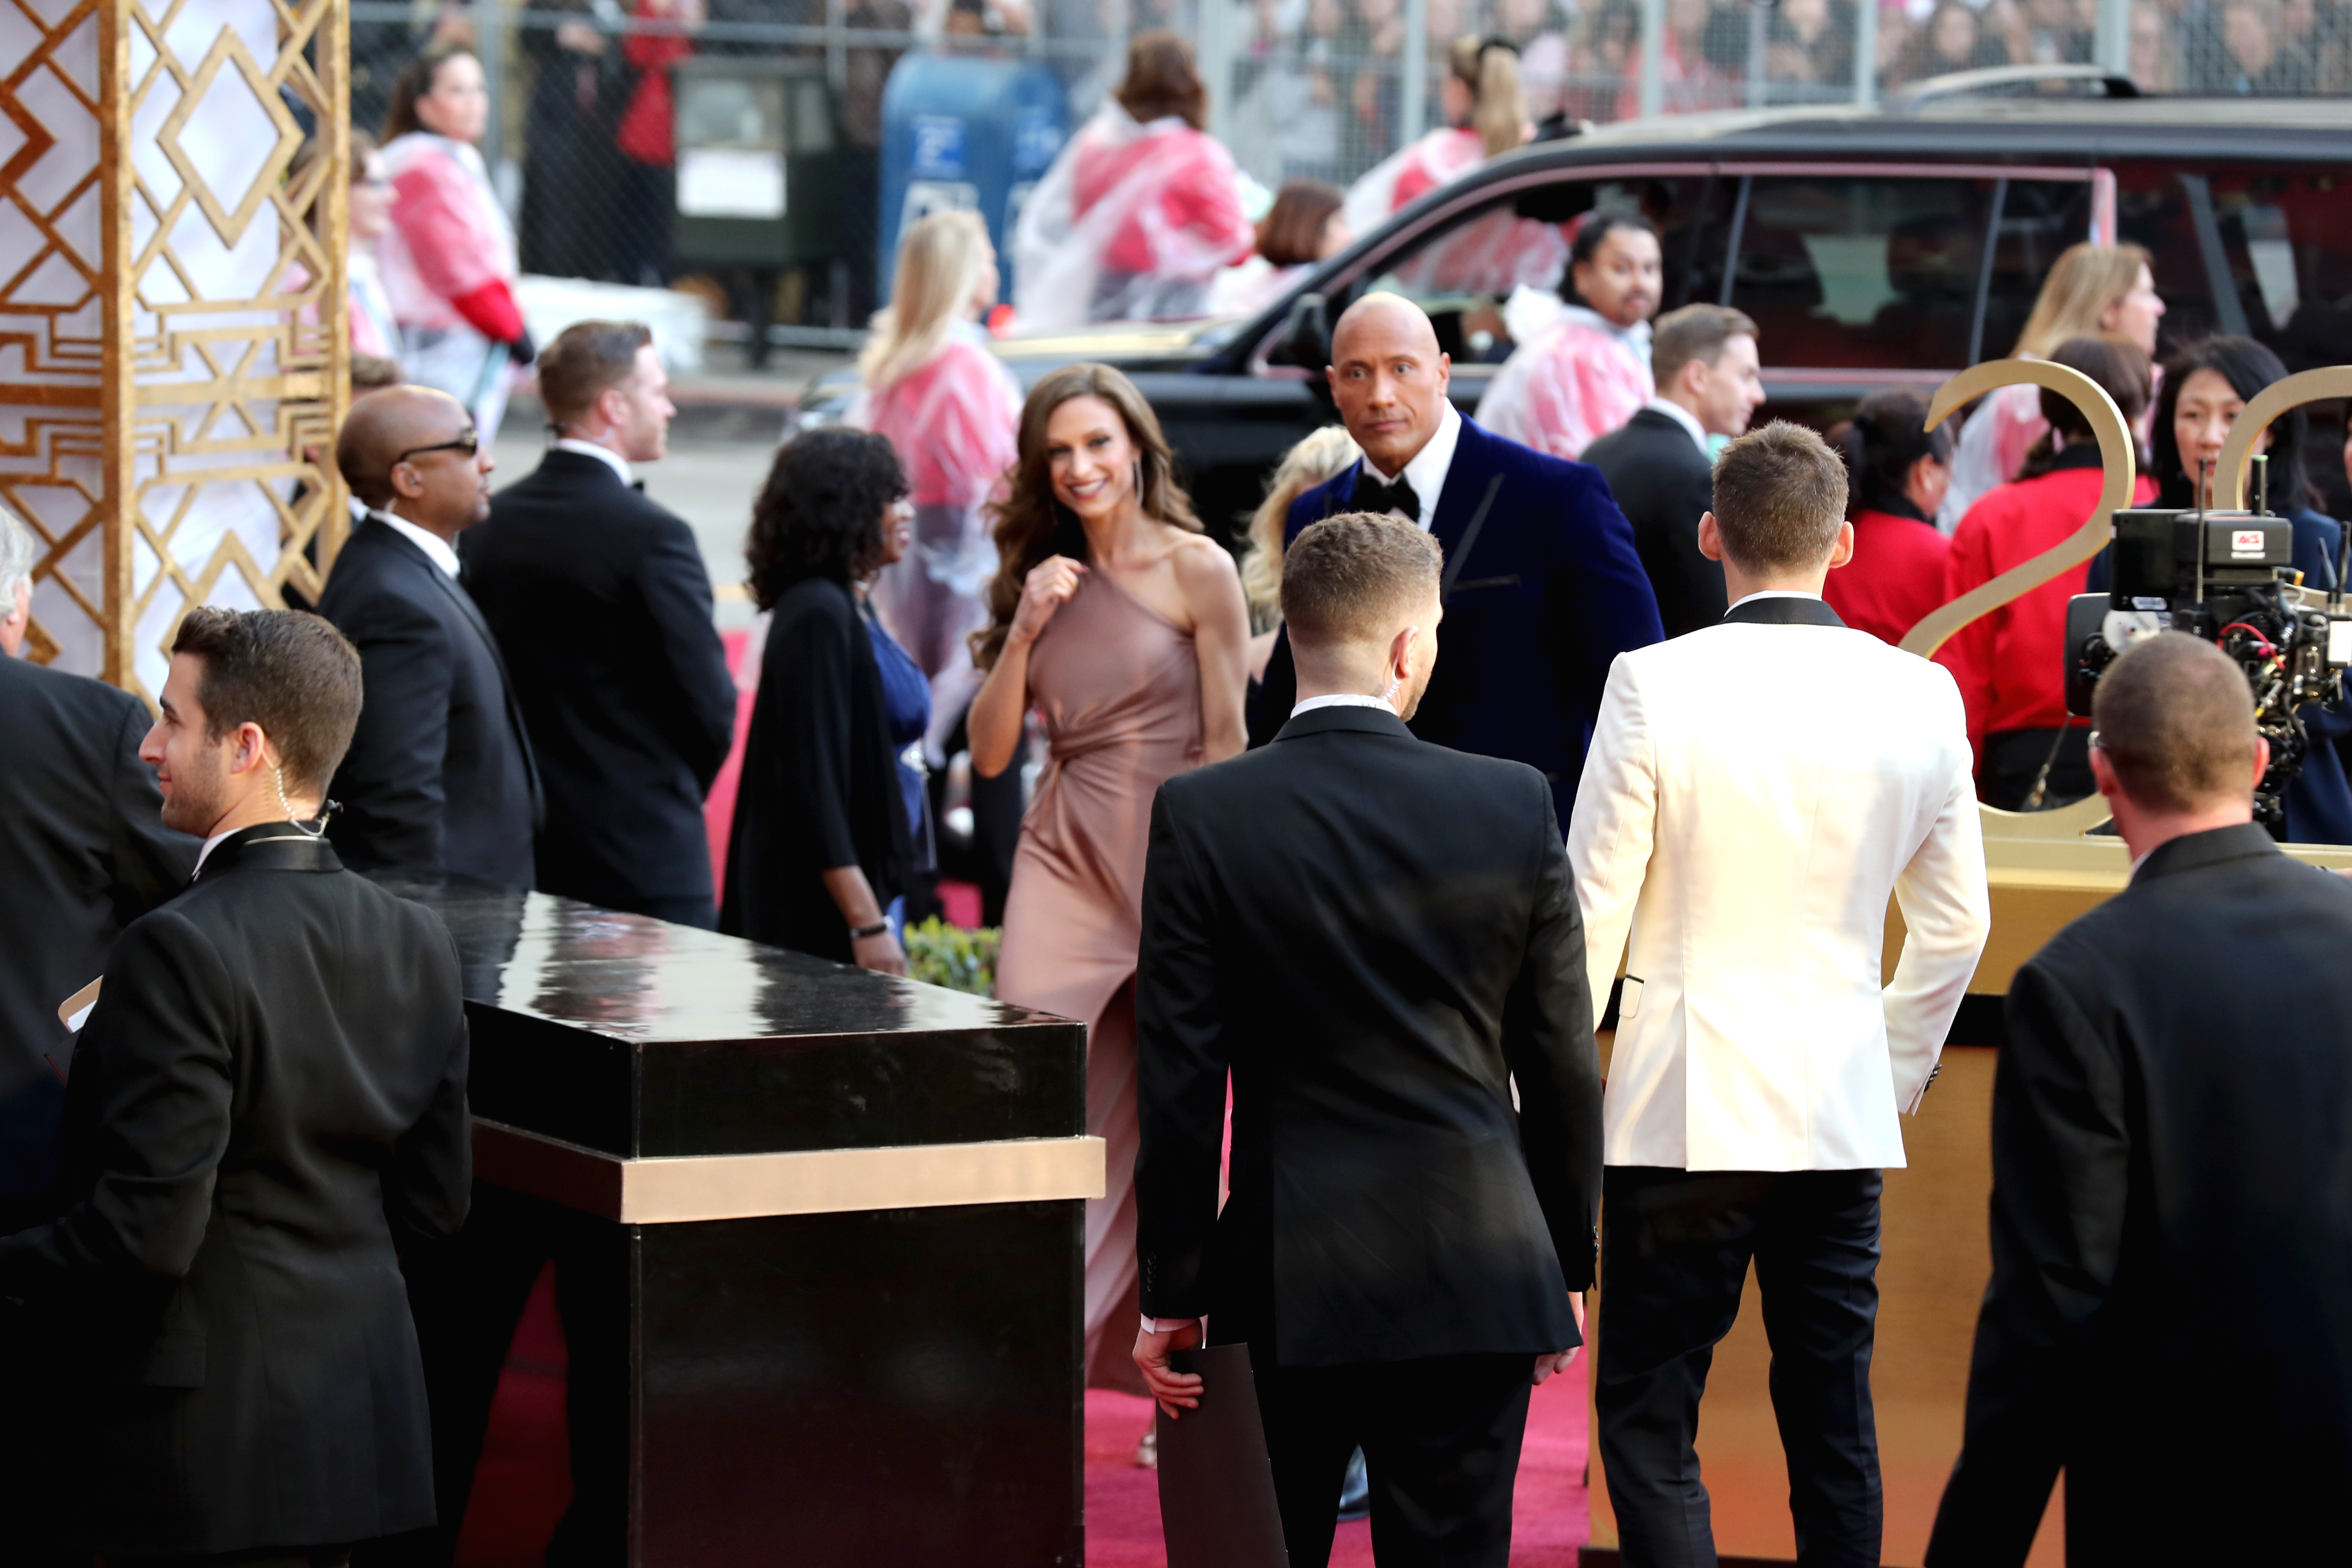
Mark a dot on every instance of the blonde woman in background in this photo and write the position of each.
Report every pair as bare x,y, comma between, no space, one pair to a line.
2094,290
1319,456
953,412
1486,117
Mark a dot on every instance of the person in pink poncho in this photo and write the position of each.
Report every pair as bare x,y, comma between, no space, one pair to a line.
1142,209
2091,289
1485,116
448,261
953,412
1587,372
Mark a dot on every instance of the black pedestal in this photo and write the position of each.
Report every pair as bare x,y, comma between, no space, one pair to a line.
845,1212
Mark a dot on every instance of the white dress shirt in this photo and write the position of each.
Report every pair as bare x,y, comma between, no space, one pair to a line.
202,854
1426,472
1773,594
1686,418
436,549
1344,699
618,464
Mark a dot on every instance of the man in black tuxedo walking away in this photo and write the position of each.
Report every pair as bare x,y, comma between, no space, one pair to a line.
1710,382
268,1101
1377,937
2172,1159
602,605
440,780
83,852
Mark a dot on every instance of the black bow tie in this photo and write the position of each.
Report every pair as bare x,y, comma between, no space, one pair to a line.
1374,496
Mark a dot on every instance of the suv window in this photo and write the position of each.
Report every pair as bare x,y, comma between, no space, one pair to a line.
2039,219
1862,271
1464,272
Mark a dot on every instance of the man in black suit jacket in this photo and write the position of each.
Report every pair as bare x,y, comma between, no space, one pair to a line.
268,1099
1379,938
602,607
1656,463
1543,588
2172,1167
83,852
440,780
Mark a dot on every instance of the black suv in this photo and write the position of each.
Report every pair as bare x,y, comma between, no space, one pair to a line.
1873,248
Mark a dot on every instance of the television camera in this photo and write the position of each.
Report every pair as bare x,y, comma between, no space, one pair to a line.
2225,576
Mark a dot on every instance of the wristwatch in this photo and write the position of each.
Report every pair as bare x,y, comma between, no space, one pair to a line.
859,933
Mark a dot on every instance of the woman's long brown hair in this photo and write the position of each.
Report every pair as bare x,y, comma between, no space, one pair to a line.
1031,525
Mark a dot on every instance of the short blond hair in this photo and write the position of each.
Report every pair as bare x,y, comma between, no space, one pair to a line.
1780,498
1357,578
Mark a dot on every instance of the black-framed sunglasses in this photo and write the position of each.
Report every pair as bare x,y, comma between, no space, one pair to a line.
470,442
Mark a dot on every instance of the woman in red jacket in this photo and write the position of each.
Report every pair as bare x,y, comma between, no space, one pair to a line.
2010,664
1896,473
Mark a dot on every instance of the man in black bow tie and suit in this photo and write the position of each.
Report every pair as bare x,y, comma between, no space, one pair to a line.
439,780
1543,586
602,605
268,1102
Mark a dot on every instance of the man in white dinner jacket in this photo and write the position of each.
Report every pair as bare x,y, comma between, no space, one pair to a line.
1754,791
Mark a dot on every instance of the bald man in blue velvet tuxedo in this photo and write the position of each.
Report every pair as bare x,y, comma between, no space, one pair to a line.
1543,586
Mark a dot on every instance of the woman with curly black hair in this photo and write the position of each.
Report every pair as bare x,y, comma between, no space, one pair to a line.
828,824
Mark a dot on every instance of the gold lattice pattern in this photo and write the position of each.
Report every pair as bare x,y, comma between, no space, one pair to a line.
178,326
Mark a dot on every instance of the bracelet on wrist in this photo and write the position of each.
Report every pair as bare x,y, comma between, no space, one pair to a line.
859,933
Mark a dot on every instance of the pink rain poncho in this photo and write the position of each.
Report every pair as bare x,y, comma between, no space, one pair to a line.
955,421
1131,223
448,267
1410,172
1569,383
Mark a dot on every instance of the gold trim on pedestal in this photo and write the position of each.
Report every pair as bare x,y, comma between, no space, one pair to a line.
675,1190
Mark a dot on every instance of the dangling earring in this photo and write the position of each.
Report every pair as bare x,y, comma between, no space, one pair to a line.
1138,482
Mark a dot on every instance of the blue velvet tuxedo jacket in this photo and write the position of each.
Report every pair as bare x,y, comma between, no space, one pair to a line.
1544,589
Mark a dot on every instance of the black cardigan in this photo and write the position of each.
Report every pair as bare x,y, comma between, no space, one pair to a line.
820,785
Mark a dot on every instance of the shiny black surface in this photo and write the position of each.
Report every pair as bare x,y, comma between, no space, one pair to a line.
842,1391
637,1038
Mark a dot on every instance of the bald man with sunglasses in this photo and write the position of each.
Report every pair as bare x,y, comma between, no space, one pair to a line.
439,781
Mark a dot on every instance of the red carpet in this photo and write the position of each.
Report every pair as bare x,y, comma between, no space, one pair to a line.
523,1485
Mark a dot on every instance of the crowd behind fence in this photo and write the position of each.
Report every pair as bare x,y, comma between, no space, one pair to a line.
582,147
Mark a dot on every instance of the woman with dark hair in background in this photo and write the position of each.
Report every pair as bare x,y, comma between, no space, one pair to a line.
1303,227
1141,209
827,825
449,259
1895,471
2206,386
2010,664
1124,625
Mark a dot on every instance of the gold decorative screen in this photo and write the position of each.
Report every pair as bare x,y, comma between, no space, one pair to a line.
172,366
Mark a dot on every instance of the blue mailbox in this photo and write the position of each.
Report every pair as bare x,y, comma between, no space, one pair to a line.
960,132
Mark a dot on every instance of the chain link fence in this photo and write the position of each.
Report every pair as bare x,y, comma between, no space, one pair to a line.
582,141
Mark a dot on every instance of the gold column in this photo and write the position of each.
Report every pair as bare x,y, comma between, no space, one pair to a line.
172,332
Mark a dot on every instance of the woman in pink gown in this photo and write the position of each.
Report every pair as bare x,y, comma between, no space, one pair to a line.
1124,625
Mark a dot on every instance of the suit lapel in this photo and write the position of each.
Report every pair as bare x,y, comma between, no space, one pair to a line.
1467,501
473,614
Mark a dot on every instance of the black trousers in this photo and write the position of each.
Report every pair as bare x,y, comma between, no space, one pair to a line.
1674,1250
1441,1439
468,1295
2014,759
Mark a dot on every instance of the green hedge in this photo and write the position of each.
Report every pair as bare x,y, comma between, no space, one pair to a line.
939,953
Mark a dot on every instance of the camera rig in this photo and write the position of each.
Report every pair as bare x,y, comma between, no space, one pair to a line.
2225,576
